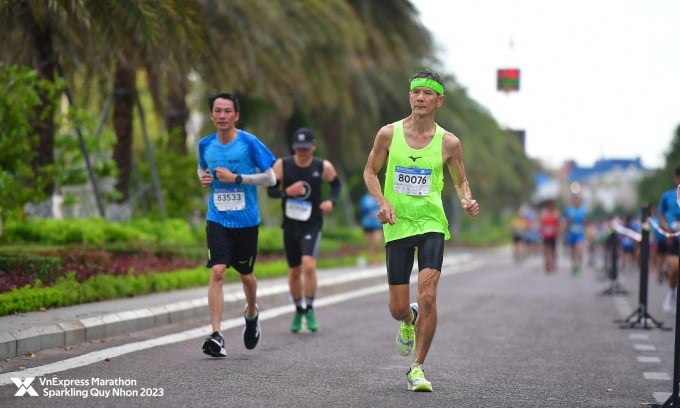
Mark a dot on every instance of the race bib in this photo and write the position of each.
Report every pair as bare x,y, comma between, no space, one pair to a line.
298,210
412,181
229,199
576,228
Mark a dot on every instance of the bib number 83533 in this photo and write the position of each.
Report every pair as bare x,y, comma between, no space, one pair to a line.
229,199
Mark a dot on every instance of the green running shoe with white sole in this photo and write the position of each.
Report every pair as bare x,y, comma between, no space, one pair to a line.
406,335
416,380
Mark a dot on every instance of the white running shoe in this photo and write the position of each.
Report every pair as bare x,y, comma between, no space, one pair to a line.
669,302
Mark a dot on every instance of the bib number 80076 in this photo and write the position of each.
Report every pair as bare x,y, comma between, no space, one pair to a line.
412,181
405,178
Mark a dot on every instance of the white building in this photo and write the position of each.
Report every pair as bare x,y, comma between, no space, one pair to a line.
610,183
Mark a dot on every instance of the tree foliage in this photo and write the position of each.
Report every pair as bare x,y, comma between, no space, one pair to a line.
657,182
20,95
340,67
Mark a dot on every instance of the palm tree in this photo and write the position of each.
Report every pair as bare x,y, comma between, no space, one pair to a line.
44,34
142,30
397,45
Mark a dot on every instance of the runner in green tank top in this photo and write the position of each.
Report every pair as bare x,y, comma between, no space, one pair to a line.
414,180
416,150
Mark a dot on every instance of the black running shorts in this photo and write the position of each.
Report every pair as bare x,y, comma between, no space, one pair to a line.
672,247
235,247
400,256
301,240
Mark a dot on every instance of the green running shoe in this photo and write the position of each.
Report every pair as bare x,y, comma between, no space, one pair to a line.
311,321
296,325
416,380
406,335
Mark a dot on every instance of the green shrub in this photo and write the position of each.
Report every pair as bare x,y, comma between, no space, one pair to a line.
270,240
67,291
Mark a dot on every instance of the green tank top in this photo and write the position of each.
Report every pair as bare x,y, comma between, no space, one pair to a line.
414,179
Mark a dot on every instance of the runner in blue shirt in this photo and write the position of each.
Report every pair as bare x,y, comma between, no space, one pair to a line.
657,243
373,228
575,217
232,163
669,220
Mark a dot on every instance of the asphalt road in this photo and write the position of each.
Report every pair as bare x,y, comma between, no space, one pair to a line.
508,336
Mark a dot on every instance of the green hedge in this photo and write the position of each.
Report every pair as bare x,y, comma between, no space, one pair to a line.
67,291
98,231
172,235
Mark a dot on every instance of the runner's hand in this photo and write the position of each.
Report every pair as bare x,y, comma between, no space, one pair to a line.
470,206
386,214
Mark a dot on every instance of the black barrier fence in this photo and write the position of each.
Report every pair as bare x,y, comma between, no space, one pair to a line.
641,317
611,264
674,400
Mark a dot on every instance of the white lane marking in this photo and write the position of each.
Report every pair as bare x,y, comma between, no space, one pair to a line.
662,396
645,347
656,375
648,359
98,356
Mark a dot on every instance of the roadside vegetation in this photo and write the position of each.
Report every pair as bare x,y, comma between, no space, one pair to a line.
48,263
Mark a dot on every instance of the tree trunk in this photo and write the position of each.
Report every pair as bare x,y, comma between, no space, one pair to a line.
177,113
43,120
123,114
154,84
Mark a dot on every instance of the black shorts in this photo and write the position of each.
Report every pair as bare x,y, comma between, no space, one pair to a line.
369,230
672,247
301,240
400,255
661,246
235,247
550,243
